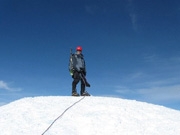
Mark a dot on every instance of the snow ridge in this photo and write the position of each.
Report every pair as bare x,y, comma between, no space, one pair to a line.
62,115
91,116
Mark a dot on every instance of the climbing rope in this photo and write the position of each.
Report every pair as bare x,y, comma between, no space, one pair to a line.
62,115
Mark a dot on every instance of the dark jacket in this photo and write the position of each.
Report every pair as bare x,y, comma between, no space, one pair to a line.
78,62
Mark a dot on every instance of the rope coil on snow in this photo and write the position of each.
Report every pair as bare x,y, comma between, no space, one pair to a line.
62,115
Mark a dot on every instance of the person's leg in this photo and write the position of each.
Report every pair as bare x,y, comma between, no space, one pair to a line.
82,87
75,82
83,91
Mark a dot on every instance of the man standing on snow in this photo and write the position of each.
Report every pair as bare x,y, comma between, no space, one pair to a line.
78,70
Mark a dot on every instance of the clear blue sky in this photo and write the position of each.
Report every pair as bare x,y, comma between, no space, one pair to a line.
131,48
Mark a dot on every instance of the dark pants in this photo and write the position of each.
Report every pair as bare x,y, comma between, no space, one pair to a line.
77,77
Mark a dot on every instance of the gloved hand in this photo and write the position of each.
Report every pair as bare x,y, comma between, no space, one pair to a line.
79,71
72,72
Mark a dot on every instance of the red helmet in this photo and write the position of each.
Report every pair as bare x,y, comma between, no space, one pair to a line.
79,48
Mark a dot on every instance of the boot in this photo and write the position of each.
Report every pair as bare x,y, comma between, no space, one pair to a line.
85,94
75,94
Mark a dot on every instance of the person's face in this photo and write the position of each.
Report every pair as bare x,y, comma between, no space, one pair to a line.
78,52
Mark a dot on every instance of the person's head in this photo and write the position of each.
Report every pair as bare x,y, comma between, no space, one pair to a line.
78,49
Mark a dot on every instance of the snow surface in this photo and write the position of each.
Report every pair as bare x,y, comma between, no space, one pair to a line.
90,116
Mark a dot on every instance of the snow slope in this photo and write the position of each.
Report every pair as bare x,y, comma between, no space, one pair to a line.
90,116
